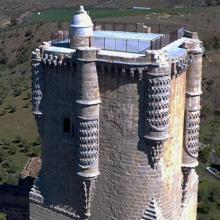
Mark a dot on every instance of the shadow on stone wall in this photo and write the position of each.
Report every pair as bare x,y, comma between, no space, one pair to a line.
14,199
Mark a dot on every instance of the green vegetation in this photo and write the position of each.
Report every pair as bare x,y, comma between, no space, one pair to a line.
13,154
217,151
204,154
209,195
209,200
66,14
209,135
2,216
212,43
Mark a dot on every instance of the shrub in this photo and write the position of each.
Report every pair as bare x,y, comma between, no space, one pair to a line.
12,170
37,142
5,164
18,139
24,150
11,108
13,64
23,142
12,150
11,179
32,154
14,21
28,33
28,96
16,92
210,2
3,58
204,154
23,57
3,156
217,151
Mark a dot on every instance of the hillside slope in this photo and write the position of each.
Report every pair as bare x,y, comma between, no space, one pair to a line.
17,7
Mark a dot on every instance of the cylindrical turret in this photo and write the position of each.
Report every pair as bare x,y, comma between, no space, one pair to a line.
192,117
192,110
87,103
81,29
87,112
157,110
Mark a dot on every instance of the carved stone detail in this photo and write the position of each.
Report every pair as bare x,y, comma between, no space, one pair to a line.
152,212
87,123
37,82
57,61
88,187
88,141
155,153
186,174
189,183
157,89
192,133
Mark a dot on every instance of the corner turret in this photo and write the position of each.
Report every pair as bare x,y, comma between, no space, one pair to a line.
81,29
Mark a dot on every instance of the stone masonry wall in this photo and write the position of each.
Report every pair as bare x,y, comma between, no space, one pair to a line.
127,183
172,174
57,182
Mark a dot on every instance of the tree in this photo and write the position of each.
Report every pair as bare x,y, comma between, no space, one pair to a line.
204,154
210,2
14,21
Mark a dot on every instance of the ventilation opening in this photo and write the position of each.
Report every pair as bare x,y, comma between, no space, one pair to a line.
66,125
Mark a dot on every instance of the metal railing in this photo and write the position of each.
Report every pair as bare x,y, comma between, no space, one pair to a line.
166,39
122,45
62,38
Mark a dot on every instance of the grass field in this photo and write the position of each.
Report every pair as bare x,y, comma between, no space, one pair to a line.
66,14
2,216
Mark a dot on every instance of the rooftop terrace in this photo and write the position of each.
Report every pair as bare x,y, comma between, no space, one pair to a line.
119,40
124,43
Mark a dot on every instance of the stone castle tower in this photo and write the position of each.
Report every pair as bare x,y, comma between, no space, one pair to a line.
118,115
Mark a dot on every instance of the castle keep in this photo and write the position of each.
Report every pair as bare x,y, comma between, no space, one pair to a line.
118,115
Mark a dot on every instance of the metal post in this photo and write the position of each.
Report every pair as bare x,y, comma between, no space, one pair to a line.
115,44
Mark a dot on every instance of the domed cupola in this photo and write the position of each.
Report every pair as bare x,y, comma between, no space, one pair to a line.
81,29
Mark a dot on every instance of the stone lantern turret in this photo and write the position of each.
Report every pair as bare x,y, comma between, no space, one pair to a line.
81,29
